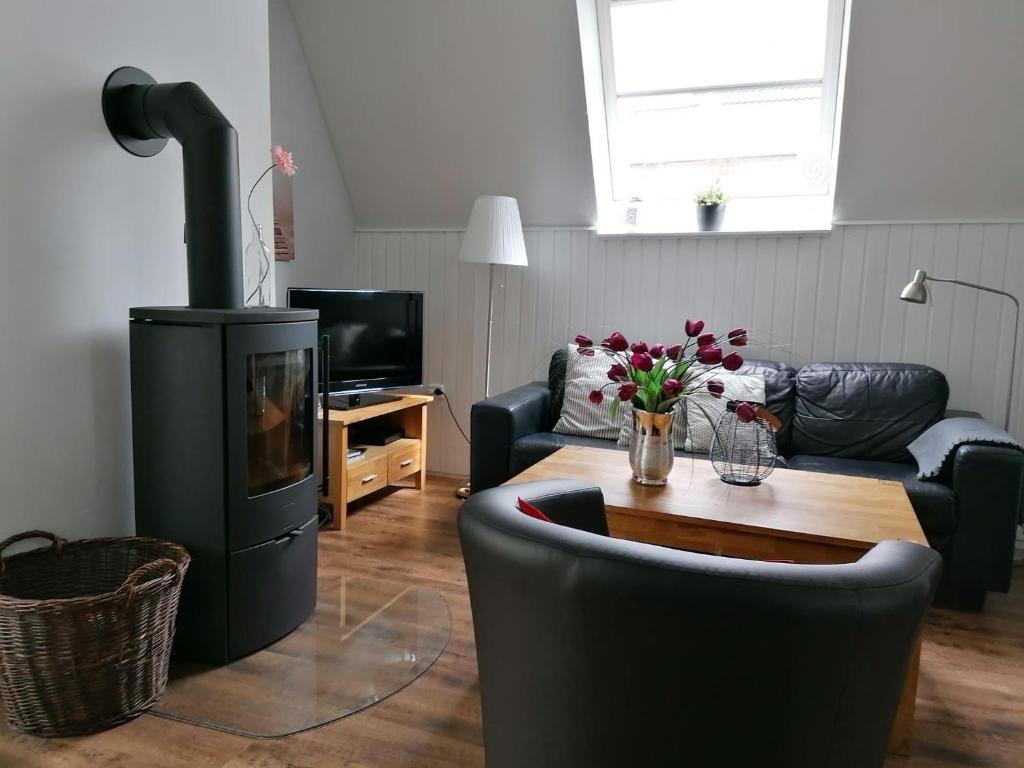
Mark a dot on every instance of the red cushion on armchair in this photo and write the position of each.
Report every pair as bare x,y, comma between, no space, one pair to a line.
528,509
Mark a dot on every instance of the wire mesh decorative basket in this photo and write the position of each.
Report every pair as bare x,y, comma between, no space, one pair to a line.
86,630
743,452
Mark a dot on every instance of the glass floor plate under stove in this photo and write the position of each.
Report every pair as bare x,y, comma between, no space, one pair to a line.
365,640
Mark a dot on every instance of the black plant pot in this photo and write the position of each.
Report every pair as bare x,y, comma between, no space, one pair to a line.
709,217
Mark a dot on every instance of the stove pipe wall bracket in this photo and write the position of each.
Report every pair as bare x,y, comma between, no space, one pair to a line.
142,115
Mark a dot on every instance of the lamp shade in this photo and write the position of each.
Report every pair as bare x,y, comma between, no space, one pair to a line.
916,291
494,234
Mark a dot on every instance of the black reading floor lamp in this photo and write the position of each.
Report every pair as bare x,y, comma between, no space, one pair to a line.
916,292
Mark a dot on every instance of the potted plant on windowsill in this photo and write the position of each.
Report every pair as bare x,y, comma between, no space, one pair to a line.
711,208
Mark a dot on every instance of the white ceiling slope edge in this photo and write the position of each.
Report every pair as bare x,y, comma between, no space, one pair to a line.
433,102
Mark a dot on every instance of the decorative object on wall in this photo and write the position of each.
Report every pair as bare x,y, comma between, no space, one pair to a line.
284,218
916,292
655,379
283,161
743,449
711,208
494,236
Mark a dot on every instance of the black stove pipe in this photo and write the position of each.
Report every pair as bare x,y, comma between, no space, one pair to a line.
142,115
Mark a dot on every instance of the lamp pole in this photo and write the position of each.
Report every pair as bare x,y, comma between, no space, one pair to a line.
917,293
490,331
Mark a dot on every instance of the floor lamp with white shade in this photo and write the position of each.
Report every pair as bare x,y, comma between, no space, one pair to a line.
494,236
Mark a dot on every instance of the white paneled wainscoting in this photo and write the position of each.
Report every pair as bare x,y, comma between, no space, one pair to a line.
804,298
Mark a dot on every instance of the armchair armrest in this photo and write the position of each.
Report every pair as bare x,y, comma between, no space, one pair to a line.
988,484
496,423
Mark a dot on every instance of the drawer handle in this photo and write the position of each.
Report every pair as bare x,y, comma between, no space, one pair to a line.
369,479
405,463
288,536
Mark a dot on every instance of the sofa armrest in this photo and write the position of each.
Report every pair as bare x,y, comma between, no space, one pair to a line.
954,413
496,423
988,484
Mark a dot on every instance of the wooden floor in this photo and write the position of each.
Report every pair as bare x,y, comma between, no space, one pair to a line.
970,707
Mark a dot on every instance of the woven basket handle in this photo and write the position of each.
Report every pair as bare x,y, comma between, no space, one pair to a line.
147,571
56,542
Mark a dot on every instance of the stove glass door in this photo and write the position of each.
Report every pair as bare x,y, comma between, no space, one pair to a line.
279,419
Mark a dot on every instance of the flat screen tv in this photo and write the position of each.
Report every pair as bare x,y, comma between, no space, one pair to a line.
376,337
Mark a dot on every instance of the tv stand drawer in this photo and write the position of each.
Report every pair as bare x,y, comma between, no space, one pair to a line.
404,462
366,475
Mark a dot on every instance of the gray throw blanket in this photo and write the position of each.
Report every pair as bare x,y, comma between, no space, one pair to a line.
937,443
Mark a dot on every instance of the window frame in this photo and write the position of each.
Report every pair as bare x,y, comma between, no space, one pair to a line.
605,133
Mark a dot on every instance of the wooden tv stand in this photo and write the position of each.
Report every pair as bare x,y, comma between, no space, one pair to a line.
402,463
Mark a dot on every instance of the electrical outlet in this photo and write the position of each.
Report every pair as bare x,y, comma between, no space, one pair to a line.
437,390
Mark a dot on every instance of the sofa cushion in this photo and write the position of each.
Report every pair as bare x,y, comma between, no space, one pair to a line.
579,416
779,395
933,502
556,381
865,410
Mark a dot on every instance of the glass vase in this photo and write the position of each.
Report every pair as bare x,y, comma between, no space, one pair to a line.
651,451
256,268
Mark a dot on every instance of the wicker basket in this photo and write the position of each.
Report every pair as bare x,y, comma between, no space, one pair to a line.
86,630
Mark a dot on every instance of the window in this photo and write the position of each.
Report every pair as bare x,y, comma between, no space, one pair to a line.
693,92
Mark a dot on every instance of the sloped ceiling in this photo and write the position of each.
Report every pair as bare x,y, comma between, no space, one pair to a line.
431,103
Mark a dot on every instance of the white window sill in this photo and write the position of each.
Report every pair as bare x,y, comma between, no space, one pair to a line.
743,217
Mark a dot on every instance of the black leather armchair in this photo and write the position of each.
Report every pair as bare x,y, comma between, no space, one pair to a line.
596,652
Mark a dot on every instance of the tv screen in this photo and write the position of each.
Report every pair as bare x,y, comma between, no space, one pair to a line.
376,336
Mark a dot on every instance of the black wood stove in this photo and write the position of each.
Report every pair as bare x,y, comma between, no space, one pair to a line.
223,400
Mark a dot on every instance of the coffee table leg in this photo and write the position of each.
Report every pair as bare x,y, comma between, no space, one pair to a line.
903,726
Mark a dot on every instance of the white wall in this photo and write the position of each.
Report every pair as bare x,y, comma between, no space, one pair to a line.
934,111
89,230
324,239
805,299
433,103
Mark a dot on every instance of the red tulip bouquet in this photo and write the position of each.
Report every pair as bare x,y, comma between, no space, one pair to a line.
655,378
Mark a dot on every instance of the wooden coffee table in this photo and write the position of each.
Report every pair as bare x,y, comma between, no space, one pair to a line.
807,517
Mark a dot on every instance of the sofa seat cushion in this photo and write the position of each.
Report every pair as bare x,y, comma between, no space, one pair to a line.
933,502
528,450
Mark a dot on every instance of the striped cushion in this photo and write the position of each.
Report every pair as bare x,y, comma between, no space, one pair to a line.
579,416
703,411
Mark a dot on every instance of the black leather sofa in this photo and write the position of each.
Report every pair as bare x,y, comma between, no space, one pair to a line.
602,653
843,418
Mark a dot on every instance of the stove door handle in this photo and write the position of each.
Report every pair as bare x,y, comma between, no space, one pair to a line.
289,536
